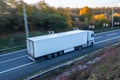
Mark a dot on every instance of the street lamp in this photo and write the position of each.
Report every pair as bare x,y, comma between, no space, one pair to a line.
112,17
25,19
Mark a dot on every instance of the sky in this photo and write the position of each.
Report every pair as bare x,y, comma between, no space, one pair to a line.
79,3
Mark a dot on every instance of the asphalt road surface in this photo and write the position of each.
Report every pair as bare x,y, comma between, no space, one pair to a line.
17,65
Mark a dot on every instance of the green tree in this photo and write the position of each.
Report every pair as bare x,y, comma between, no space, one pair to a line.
56,22
3,7
65,14
47,17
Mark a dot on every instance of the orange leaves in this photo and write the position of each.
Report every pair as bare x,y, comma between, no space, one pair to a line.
116,14
99,17
84,11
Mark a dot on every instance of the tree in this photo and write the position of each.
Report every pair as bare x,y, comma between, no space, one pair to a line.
41,17
65,14
3,7
48,21
116,14
48,17
56,22
11,3
85,14
99,17
117,18
84,11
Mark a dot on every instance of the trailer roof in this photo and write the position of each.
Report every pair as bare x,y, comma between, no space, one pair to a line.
55,35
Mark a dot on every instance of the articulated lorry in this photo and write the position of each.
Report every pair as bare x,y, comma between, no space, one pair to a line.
53,45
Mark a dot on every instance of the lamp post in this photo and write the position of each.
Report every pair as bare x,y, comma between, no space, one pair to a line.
25,19
112,17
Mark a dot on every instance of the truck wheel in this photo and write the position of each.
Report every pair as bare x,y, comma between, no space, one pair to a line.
91,44
49,56
77,48
55,54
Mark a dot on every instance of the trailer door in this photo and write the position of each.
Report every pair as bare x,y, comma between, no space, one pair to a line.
30,48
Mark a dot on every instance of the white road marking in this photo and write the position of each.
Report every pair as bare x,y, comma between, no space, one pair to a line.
16,67
98,37
12,59
12,52
107,39
112,34
35,62
107,32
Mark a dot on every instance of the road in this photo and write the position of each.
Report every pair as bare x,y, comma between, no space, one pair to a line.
17,65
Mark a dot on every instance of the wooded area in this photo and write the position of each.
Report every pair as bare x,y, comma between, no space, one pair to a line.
41,16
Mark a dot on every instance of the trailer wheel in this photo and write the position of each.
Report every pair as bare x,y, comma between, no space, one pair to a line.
81,47
61,53
55,54
49,56
42,58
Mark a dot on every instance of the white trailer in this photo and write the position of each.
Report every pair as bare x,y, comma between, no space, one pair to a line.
53,45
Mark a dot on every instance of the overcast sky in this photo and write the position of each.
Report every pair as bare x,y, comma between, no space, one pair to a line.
79,3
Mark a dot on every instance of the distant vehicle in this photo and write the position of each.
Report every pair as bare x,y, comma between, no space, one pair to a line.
53,45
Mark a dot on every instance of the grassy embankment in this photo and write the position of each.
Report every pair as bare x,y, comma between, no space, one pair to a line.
103,64
14,42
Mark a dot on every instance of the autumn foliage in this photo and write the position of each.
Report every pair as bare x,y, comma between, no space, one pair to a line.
84,11
99,17
116,14
85,14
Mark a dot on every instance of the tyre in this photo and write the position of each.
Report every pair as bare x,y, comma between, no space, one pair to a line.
91,44
55,54
61,53
49,56
77,48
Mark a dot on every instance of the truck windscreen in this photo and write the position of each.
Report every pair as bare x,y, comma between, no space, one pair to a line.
92,35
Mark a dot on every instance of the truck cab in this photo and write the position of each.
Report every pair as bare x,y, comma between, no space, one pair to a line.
90,40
